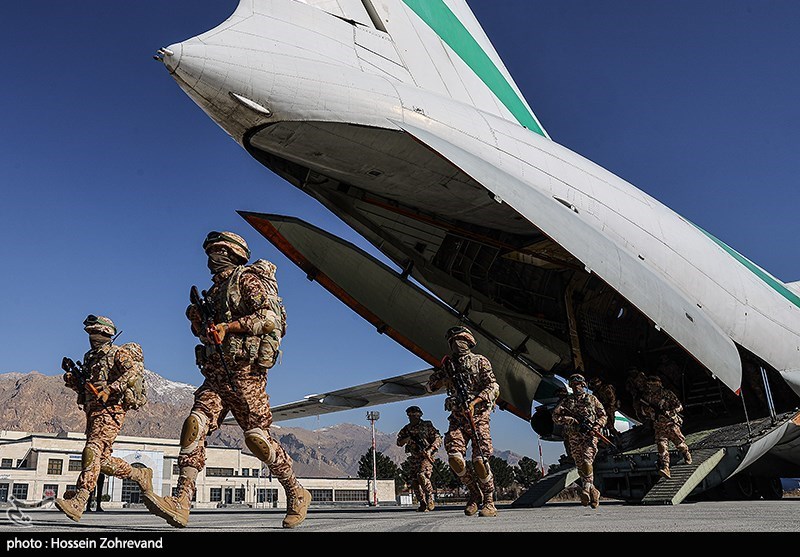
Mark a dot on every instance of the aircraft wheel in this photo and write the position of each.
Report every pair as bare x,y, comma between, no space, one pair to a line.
741,487
770,489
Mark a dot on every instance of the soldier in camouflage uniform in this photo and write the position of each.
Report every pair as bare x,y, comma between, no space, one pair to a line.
636,385
248,320
110,368
475,372
582,415
421,440
607,395
663,407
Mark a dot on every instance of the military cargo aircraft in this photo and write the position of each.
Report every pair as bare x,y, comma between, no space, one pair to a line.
400,118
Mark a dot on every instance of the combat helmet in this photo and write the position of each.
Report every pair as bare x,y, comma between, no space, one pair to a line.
576,379
654,380
460,333
99,324
414,410
232,241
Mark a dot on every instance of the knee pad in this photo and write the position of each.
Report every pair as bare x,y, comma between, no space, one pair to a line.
457,463
108,469
260,445
88,457
586,470
193,430
482,470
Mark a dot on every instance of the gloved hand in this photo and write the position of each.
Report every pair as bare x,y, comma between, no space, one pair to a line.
568,420
102,395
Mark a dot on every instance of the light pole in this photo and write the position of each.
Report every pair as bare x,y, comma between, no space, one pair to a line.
373,417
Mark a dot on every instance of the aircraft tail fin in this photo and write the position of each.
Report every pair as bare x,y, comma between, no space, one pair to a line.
444,49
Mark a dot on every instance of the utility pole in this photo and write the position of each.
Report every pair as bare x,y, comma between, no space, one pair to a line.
373,417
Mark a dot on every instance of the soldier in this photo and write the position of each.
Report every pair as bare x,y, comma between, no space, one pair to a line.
636,385
111,370
582,415
561,394
663,407
606,393
249,321
473,372
421,440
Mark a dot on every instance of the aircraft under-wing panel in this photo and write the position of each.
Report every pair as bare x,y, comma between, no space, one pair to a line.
392,389
400,118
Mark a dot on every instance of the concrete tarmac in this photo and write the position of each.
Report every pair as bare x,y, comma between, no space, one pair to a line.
561,517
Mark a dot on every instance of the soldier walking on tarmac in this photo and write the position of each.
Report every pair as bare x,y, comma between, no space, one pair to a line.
663,407
472,391
109,383
583,416
240,322
421,440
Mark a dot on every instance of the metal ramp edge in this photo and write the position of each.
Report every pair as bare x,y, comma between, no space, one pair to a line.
684,478
546,488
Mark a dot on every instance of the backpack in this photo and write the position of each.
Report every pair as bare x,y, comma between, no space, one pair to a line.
265,271
135,395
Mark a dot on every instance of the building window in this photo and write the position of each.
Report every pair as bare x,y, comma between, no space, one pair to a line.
176,470
74,465
219,472
7,463
20,491
269,495
321,495
20,463
238,495
72,488
54,466
352,495
215,495
3,493
256,472
50,490
245,471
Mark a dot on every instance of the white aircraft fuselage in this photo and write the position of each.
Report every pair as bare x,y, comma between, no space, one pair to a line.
340,98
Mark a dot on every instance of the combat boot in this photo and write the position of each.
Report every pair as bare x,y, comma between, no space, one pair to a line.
175,510
74,506
143,477
664,472
423,506
687,457
474,500
298,500
488,508
594,497
431,504
585,497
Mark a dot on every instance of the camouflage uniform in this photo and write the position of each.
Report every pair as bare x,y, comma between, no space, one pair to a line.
110,368
607,395
582,406
663,407
636,385
421,440
482,389
237,296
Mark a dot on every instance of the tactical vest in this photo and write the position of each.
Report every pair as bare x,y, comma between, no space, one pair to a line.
226,299
467,367
99,363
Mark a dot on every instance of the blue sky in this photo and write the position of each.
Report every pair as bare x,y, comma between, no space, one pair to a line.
111,176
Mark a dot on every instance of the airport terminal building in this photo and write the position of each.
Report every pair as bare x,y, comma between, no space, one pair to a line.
37,465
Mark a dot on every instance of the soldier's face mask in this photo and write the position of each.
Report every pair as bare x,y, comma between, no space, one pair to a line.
414,418
459,346
96,340
219,260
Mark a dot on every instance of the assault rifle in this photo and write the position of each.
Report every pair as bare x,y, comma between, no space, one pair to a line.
422,447
210,329
80,373
585,426
463,400
674,416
